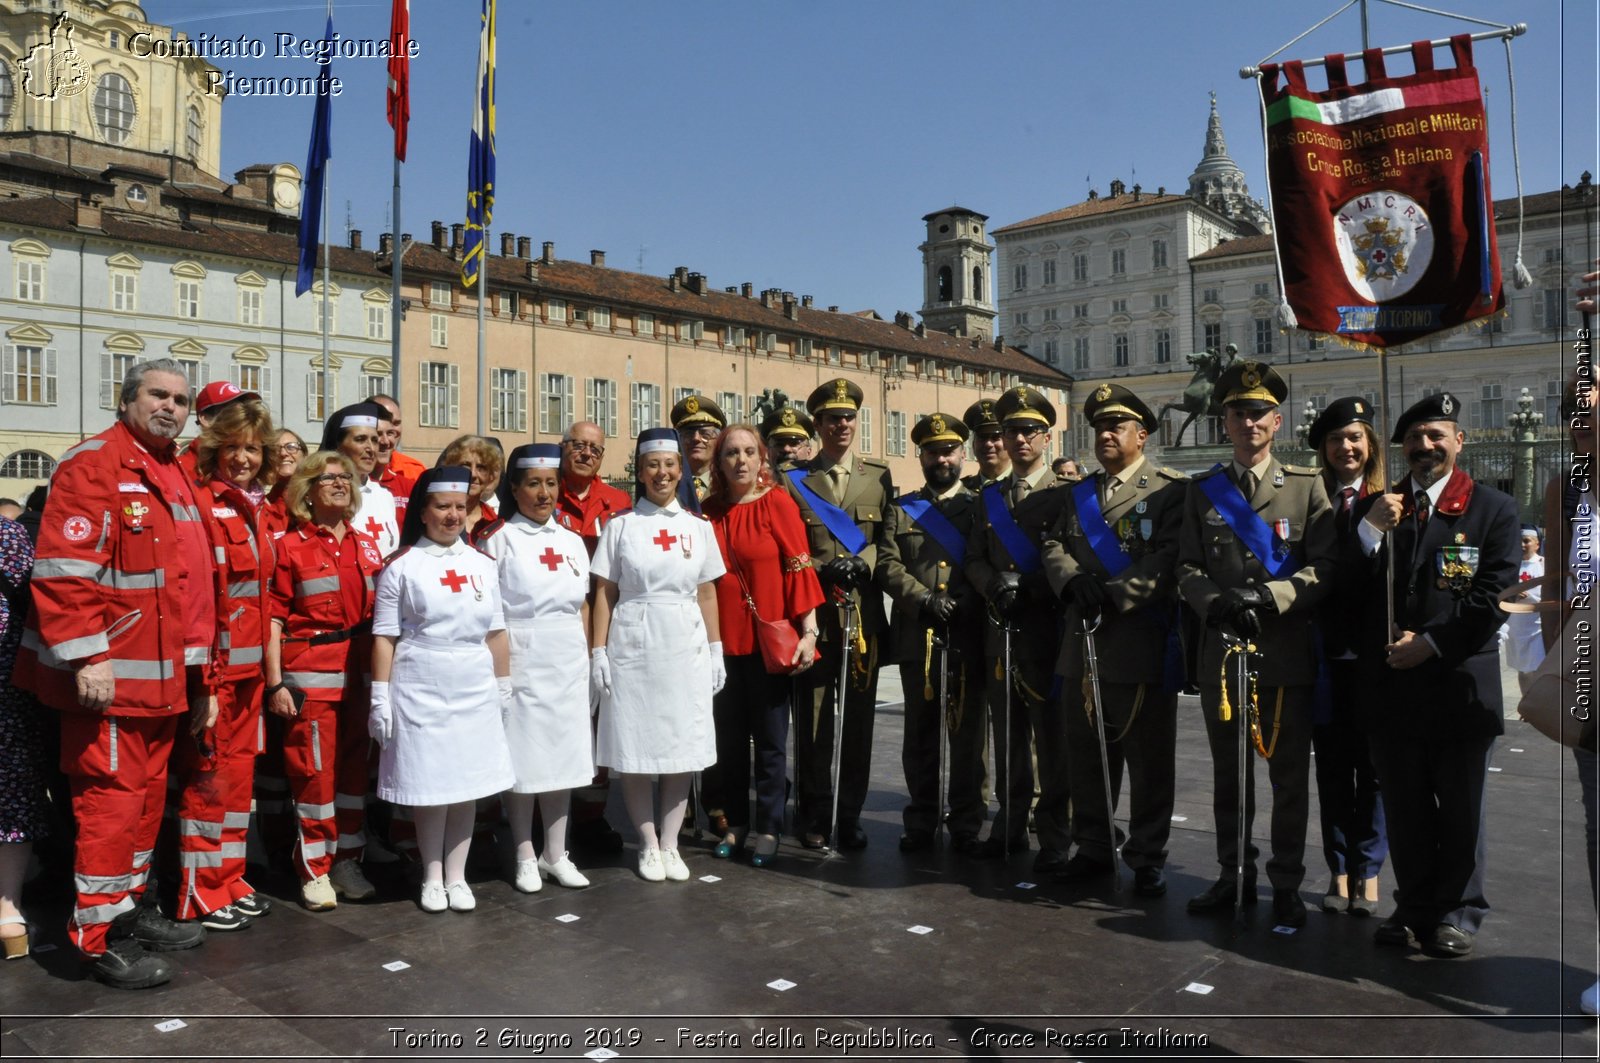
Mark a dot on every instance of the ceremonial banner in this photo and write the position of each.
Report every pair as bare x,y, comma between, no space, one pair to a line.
317,156
480,162
1380,197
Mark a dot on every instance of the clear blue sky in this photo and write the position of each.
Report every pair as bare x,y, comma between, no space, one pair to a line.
797,145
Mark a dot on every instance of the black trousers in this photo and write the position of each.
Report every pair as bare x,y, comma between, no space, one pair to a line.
964,729
1147,744
1353,838
1035,713
813,739
751,710
1289,768
1433,794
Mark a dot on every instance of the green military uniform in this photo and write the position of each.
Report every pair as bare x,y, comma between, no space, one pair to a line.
864,496
1141,508
914,567
1032,505
1214,561
689,414
979,418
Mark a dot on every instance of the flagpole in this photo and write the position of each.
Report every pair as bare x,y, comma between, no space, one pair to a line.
483,297
327,295
396,309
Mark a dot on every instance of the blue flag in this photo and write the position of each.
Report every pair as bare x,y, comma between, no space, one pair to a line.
317,157
480,159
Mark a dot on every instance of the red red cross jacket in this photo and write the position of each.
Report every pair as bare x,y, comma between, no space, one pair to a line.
105,582
316,597
241,535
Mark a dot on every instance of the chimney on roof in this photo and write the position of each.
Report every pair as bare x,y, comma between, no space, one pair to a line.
833,309
405,238
1117,188
999,342
1161,190
508,245
805,301
674,282
791,309
1093,195
533,272
524,247
697,283
769,297
952,330
732,289
386,243
922,329
1136,191
458,239
974,342
747,289
549,255
438,236
355,239
88,216
597,258
902,319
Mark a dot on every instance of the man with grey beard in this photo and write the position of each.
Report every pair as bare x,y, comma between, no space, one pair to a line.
119,642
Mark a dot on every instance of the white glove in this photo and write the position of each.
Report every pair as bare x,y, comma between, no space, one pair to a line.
507,692
599,677
719,671
380,720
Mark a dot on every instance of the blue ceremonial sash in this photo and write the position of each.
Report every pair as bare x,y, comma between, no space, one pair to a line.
1102,540
926,515
1022,551
833,518
1246,523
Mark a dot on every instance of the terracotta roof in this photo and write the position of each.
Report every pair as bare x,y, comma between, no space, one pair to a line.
614,287
1090,207
1239,245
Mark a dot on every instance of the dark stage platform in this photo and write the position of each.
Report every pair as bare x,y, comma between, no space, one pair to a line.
871,954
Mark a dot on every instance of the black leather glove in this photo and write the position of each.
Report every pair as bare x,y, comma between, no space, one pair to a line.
835,573
1087,591
939,606
857,573
1247,622
1005,593
1250,596
1220,611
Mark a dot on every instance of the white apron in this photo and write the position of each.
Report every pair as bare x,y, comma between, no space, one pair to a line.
544,578
657,718
449,744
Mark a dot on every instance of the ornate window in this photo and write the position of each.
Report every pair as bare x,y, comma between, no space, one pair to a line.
114,108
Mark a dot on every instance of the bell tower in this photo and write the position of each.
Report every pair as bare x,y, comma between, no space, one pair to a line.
957,289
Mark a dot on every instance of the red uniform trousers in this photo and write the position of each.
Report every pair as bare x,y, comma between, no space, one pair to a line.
117,767
214,809
325,759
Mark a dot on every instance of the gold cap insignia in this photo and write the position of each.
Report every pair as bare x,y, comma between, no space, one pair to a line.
691,405
1447,406
1359,408
1022,397
786,418
1102,393
841,389
1251,377
937,425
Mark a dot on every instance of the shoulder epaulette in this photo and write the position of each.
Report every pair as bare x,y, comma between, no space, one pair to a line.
1167,472
1301,470
873,462
492,529
1214,470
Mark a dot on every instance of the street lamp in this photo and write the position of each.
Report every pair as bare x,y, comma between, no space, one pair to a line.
1525,422
1307,415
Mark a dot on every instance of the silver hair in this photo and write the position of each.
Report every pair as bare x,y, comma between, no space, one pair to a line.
136,375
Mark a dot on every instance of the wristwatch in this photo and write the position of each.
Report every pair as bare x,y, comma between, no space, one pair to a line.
813,632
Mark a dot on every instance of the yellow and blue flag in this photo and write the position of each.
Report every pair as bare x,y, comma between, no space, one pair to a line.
480,162
317,156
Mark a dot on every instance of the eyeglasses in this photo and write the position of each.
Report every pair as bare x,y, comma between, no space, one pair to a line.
1026,431
584,448
704,431
335,478
290,448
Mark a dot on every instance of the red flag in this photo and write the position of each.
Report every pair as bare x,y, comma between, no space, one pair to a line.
399,99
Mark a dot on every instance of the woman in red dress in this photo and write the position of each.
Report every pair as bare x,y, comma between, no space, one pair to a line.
764,548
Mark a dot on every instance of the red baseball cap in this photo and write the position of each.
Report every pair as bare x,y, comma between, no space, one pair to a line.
220,393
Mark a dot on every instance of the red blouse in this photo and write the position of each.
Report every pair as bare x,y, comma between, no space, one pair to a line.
773,556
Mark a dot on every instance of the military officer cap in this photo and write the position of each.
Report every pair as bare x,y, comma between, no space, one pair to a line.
836,396
1023,403
1339,413
938,428
980,417
1113,401
787,423
696,410
1252,385
1441,407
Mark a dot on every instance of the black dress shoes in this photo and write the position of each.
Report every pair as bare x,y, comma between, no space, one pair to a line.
1394,933
814,839
1448,941
851,836
1288,908
1051,862
914,841
964,842
994,848
1219,896
1081,867
1149,882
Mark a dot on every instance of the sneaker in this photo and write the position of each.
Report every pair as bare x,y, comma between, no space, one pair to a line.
461,898
255,905
155,932
563,871
650,868
432,898
126,965
528,877
317,895
1590,1001
225,918
673,864
349,882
